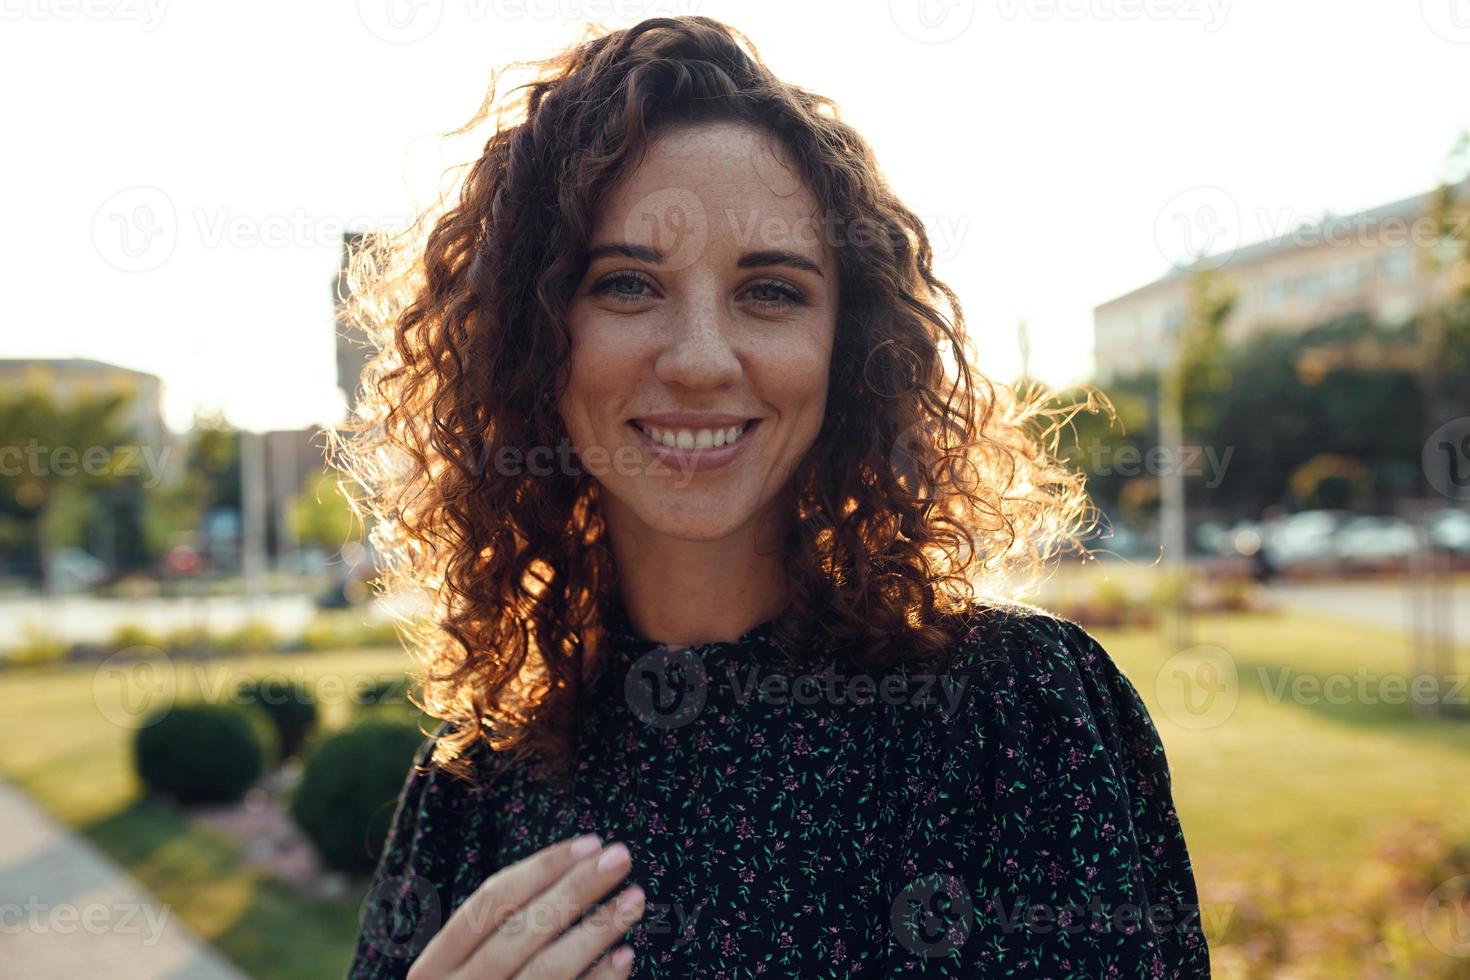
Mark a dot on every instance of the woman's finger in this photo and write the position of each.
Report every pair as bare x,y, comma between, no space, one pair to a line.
580,946
497,898
539,922
613,966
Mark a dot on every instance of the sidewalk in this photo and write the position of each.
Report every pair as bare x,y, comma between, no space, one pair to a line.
1386,604
67,911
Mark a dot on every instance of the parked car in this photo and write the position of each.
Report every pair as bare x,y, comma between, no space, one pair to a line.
1375,542
76,570
1304,539
1449,530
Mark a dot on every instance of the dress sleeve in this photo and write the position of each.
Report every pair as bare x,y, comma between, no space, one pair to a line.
409,891
1043,840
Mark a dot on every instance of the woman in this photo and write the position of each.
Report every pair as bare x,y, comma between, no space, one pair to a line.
674,423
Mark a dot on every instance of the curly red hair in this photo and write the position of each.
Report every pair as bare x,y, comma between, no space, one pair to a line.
927,487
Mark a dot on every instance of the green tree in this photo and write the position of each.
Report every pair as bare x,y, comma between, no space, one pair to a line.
213,462
321,515
62,472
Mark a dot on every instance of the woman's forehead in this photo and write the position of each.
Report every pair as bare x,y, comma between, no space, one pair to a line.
728,214
728,166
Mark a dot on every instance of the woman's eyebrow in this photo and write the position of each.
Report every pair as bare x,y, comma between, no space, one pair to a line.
779,257
749,260
628,251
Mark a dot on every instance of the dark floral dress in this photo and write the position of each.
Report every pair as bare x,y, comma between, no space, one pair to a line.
1010,817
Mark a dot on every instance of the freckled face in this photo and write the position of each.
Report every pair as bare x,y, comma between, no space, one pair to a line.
711,295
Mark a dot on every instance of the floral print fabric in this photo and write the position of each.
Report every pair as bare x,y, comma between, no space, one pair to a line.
1011,817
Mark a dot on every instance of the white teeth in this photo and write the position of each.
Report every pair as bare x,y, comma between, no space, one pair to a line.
693,438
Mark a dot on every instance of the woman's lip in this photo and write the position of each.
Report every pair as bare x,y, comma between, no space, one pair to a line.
708,458
690,420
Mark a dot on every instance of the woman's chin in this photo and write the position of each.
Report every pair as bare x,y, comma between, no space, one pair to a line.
684,519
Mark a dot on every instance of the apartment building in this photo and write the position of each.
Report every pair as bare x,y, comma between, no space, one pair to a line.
1372,262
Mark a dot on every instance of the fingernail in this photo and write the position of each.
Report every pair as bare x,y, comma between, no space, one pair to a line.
622,956
611,856
630,899
585,845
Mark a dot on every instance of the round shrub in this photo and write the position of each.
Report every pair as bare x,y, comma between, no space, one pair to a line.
386,698
349,788
187,641
203,753
128,635
289,704
383,690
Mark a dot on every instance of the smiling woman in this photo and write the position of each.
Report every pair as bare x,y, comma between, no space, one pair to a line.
754,636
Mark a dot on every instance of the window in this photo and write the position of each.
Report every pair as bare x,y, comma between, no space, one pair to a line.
1346,277
1395,265
1447,249
1275,294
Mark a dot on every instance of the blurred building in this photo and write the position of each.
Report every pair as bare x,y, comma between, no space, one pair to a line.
256,532
293,460
1369,262
69,379
352,348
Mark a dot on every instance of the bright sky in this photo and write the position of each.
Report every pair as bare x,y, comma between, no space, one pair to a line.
1049,144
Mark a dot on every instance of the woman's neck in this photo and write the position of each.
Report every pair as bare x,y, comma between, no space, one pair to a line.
686,593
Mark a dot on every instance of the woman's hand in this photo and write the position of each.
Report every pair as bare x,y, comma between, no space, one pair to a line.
510,926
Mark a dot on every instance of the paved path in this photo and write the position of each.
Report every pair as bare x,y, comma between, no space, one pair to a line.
67,911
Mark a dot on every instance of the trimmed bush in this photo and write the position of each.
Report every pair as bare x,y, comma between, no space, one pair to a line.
128,635
344,631
187,640
384,690
289,704
349,789
37,648
386,698
203,753
255,636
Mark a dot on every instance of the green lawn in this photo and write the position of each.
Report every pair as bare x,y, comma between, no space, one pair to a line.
1289,791
1292,795
1307,774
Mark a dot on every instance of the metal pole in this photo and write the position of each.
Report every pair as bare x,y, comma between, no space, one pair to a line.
286,482
1171,501
252,505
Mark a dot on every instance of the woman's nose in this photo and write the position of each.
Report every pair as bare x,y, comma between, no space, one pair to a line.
698,352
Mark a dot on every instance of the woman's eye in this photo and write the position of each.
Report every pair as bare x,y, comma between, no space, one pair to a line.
622,286
775,294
